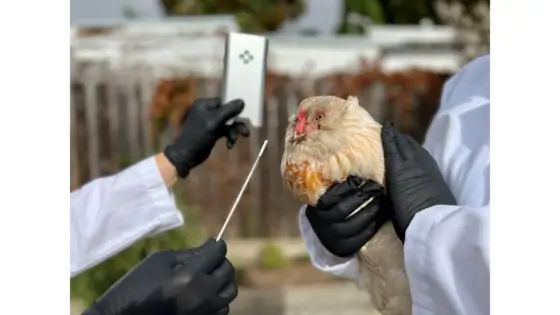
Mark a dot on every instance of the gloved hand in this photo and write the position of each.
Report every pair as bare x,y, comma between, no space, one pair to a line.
204,124
199,281
414,182
341,235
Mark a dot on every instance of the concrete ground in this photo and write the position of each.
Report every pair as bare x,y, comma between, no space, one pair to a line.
317,299
246,251
324,298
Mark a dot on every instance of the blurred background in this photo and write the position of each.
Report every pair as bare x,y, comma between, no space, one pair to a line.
137,65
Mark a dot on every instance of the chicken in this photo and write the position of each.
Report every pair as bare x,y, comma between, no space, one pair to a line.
328,140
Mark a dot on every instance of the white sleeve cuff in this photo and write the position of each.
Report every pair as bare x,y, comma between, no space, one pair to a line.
447,259
163,200
321,258
110,214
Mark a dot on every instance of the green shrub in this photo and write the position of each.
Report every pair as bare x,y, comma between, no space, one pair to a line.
271,256
304,258
89,285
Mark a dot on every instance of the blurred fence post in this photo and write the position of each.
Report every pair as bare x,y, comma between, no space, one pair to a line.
113,118
75,179
266,209
92,115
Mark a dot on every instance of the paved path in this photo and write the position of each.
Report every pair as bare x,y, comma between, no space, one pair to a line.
336,298
246,251
317,299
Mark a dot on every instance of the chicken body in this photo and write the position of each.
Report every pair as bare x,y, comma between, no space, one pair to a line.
328,140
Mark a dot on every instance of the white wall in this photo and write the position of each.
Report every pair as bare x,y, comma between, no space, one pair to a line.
392,35
316,57
434,61
163,47
111,11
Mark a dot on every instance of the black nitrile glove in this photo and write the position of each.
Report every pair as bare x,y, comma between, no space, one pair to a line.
414,182
341,235
204,124
199,281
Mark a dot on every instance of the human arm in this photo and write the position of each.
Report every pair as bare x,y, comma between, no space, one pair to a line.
332,235
447,260
167,170
446,240
111,213
321,258
447,247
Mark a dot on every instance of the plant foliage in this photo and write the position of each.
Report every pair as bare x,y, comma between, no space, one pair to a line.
89,285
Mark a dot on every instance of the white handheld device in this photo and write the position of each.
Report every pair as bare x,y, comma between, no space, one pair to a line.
244,75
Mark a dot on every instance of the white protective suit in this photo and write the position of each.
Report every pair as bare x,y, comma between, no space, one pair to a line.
109,214
447,254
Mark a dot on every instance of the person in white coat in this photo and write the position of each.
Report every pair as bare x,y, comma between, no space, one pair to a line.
109,214
438,200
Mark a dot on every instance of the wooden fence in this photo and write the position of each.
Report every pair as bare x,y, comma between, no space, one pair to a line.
112,125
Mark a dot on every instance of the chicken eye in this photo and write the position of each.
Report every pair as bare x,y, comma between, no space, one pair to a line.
319,117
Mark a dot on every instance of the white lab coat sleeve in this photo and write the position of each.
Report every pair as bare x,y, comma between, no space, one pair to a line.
321,258
447,259
447,254
109,214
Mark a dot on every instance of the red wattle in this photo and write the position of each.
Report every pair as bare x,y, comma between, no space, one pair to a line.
300,124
